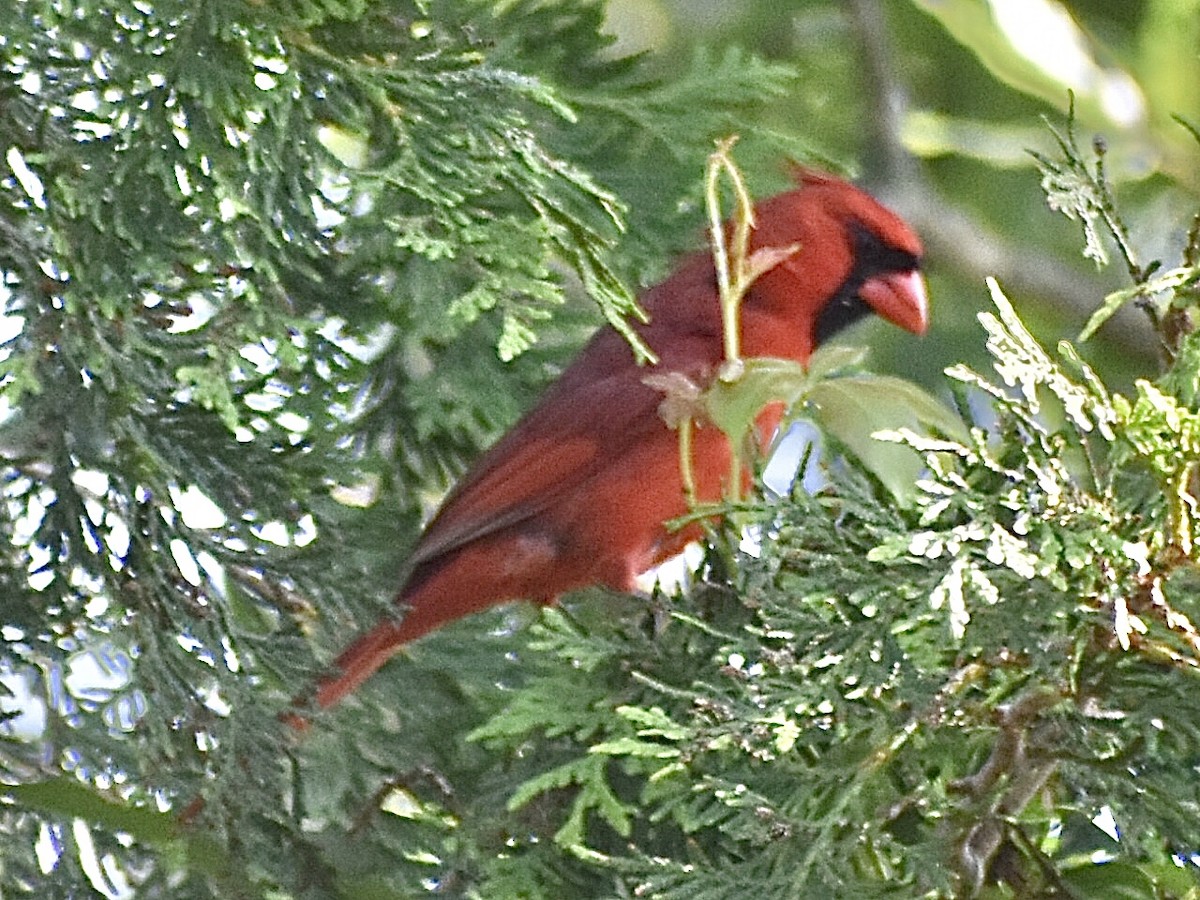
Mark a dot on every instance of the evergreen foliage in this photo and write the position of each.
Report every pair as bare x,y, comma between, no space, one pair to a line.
263,268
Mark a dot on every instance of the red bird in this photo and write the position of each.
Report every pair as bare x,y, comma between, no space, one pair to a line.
577,492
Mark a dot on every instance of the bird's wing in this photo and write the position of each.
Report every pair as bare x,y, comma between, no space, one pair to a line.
598,409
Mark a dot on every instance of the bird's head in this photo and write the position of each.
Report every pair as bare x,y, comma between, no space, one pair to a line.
853,257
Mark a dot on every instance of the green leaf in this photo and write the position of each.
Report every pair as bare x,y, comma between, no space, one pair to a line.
734,405
68,797
1034,68
856,408
833,359
1111,881
931,134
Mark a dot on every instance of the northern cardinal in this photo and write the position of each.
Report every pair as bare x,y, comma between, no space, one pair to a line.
577,492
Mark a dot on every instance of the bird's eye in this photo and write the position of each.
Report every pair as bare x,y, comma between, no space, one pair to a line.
874,257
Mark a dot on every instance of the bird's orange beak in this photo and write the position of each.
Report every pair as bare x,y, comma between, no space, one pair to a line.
900,298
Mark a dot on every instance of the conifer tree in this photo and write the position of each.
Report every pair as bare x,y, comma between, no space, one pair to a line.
274,273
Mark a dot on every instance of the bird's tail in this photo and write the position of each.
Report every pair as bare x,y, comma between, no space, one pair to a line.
357,663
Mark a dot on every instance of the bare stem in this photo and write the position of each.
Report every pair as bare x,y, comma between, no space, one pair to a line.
733,272
731,261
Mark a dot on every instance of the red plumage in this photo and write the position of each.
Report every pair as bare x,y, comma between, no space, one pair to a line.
578,491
